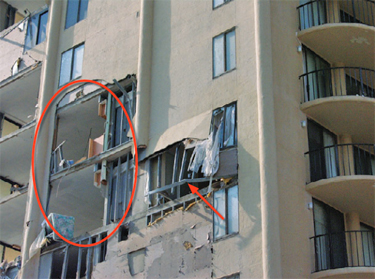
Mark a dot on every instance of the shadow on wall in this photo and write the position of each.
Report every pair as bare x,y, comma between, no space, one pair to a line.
249,198
161,56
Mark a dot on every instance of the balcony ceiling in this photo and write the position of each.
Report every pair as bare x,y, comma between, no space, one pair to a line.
19,94
22,5
353,115
12,215
75,195
354,193
76,125
352,44
15,154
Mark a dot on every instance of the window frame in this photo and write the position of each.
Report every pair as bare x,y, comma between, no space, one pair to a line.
219,5
124,167
226,220
72,62
225,33
34,39
77,19
222,139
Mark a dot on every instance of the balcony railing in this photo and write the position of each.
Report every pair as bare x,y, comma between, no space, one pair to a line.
321,12
343,249
338,81
341,160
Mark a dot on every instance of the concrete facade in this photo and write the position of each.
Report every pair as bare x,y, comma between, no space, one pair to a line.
157,57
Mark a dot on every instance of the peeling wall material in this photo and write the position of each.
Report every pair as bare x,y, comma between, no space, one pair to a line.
177,246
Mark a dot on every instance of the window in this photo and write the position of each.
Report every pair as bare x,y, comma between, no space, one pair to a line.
364,161
120,187
10,16
224,123
76,11
329,240
224,53
119,125
36,30
368,244
226,202
322,152
71,64
218,3
317,78
71,261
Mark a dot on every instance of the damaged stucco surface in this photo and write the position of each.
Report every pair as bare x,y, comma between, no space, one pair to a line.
179,245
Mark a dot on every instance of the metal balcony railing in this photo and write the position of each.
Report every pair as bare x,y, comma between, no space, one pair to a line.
341,160
343,249
338,81
321,12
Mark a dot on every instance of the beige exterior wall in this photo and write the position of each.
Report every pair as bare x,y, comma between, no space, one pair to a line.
111,47
296,220
275,217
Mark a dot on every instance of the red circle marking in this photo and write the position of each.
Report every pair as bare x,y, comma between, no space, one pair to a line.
135,163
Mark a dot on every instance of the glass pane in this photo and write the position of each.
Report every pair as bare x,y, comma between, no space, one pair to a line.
113,197
230,40
42,27
71,13
330,154
169,163
217,118
129,189
32,31
218,55
230,126
218,2
77,61
83,9
118,113
219,204
233,209
65,68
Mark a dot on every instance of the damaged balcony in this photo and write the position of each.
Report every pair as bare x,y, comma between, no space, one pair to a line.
336,29
342,99
92,149
207,164
60,260
90,123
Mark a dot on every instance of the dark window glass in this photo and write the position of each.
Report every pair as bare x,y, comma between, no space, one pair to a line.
42,27
322,152
329,241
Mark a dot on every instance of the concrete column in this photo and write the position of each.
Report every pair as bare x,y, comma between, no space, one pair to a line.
353,239
142,116
338,80
346,156
271,254
33,216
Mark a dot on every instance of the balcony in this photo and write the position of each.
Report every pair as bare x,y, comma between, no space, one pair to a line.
348,254
334,29
343,176
342,99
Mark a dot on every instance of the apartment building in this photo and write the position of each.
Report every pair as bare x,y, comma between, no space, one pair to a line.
266,106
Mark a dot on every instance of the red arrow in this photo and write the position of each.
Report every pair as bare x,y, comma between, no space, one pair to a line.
194,190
